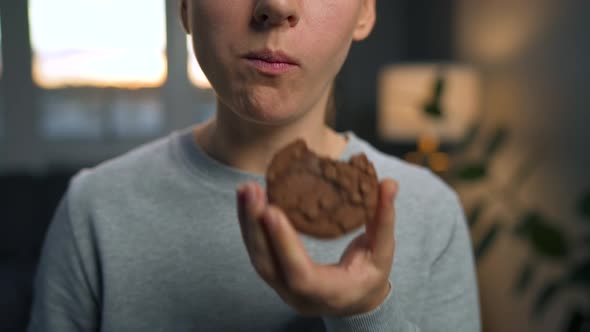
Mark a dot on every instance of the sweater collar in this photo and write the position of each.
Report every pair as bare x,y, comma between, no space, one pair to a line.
227,178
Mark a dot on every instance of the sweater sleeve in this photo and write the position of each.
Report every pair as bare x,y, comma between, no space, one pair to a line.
388,317
64,297
452,303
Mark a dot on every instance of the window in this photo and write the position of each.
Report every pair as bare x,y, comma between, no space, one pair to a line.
116,46
97,68
92,116
71,117
101,43
196,75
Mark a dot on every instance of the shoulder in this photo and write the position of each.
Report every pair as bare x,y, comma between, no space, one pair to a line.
115,179
426,206
416,182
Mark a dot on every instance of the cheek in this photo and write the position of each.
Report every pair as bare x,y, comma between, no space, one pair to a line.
215,24
330,34
213,14
323,41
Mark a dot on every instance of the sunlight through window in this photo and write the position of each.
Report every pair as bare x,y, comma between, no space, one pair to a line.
196,75
101,43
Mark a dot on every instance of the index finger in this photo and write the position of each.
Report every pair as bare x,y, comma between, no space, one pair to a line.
251,205
291,255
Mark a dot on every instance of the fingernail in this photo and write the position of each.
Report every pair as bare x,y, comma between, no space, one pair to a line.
391,193
394,191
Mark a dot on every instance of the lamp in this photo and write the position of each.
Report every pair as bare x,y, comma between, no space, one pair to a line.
436,100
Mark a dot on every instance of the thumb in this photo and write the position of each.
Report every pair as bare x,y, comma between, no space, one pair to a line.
381,230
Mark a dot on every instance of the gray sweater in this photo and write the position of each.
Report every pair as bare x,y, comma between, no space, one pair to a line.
150,241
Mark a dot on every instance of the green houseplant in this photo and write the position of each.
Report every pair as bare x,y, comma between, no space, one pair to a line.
547,239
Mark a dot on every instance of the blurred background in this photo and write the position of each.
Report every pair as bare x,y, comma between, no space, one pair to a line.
492,95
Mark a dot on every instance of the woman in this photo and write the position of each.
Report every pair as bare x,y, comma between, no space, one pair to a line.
150,241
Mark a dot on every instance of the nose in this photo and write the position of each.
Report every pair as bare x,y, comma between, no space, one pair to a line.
273,13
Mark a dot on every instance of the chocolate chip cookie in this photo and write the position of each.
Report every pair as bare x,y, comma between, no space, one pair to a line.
322,197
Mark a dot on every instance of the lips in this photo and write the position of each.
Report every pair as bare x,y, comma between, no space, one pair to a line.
271,57
271,63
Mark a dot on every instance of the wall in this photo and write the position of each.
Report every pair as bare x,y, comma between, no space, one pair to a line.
406,31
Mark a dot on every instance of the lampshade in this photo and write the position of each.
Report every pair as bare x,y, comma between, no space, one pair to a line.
439,100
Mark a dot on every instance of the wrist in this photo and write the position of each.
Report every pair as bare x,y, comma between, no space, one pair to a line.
371,303
378,299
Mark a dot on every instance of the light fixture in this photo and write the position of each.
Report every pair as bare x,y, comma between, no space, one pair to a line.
433,100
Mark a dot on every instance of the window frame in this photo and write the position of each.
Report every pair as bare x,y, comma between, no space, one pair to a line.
22,145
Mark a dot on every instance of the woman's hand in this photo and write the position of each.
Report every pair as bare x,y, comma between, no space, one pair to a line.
359,283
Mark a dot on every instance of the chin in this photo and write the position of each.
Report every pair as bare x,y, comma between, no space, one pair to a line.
270,116
269,111
264,105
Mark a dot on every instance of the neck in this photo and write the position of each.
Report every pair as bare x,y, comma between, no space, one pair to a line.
250,146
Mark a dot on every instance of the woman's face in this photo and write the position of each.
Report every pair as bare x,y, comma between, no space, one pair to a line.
271,61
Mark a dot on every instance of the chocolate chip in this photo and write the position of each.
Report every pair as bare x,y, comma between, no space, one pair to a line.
330,172
355,197
327,202
365,187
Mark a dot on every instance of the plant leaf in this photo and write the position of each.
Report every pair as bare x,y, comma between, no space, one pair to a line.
580,274
475,213
524,280
522,174
473,172
548,240
577,320
545,296
469,137
584,206
487,241
545,239
526,223
497,141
